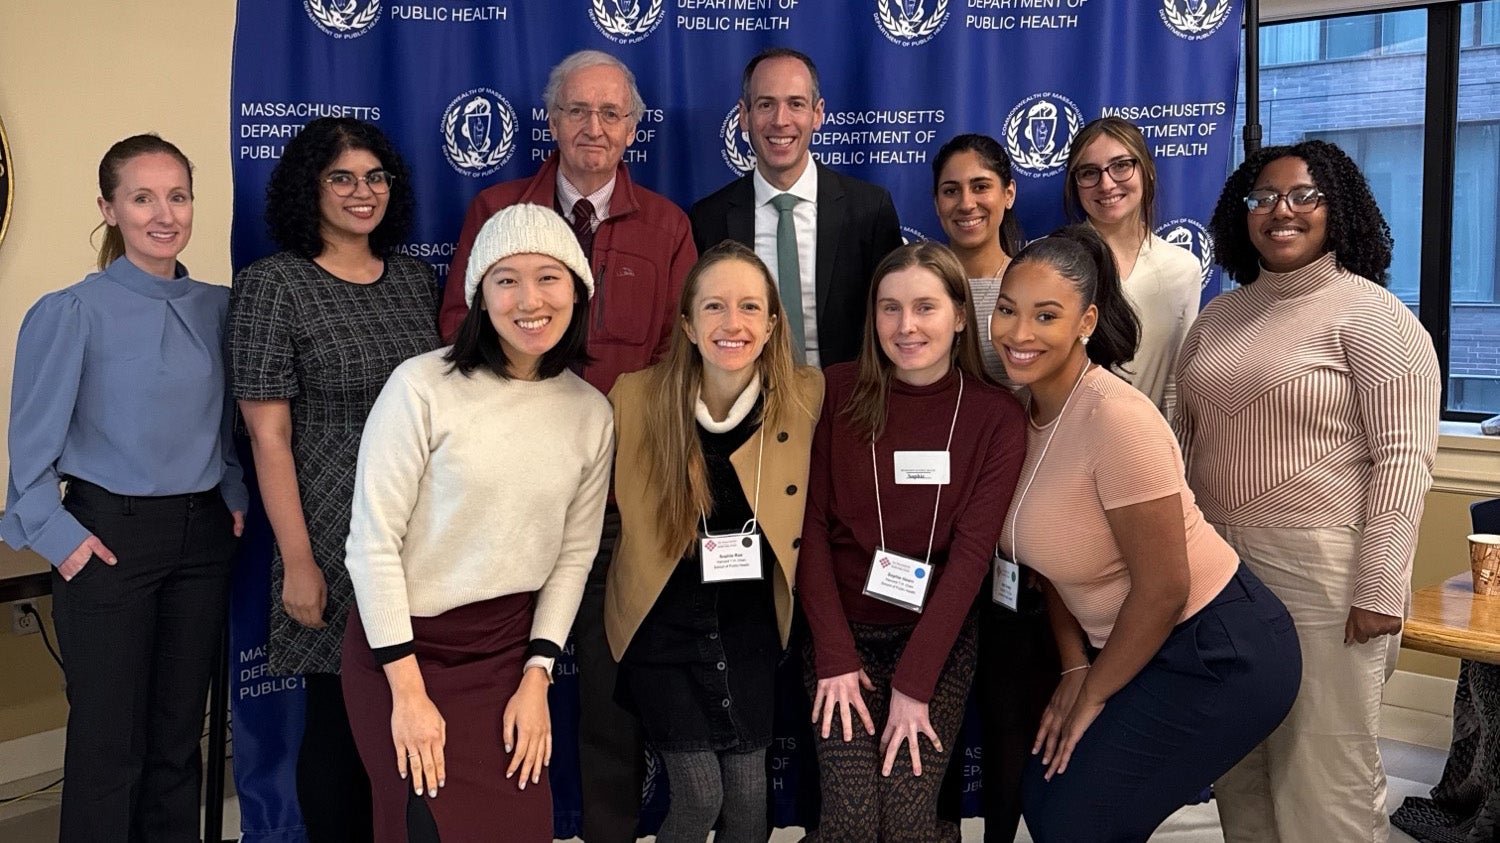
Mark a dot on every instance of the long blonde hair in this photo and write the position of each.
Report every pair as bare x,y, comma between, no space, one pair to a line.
867,403
676,468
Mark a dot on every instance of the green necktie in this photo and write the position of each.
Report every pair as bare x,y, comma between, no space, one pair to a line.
789,272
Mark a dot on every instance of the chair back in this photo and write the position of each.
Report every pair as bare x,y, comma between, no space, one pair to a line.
1485,516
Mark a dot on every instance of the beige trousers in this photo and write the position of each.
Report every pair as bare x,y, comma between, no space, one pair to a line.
1318,777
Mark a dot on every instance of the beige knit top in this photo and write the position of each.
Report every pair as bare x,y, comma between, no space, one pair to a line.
1311,399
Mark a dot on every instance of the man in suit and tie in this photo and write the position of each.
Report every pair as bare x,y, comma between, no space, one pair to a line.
821,233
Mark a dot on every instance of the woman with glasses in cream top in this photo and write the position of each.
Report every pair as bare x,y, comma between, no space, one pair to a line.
1111,182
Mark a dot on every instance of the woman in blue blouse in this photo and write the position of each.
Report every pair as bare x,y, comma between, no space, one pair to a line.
119,392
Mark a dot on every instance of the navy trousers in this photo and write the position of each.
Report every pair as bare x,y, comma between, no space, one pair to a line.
1222,681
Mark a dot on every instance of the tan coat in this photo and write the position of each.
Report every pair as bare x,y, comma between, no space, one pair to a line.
640,570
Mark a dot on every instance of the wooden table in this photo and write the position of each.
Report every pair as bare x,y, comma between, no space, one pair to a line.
1451,620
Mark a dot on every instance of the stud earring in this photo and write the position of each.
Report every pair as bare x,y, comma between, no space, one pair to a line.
1084,339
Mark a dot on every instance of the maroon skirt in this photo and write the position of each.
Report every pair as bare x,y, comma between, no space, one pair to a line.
471,660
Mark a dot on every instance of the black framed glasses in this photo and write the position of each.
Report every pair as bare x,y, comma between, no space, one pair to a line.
578,114
1301,200
1120,170
344,184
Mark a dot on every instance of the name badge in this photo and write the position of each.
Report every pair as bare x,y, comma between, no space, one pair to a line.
730,556
898,580
921,468
1006,587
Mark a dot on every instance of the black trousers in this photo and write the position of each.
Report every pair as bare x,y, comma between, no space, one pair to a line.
1013,682
333,789
611,755
138,640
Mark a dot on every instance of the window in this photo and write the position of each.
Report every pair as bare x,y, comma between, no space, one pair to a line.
1480,24
1474,308
1360,81
1358,36
1391,160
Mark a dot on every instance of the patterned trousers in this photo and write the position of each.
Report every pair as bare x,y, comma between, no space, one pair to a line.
859,804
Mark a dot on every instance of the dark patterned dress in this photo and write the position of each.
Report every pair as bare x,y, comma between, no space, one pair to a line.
300,333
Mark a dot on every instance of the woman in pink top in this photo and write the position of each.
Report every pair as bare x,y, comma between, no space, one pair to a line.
1205,663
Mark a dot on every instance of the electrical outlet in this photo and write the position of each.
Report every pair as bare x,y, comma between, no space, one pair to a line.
25,618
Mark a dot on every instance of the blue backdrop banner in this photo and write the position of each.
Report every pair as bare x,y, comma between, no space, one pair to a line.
457,86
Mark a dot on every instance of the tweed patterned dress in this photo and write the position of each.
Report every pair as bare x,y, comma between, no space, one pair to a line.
297,332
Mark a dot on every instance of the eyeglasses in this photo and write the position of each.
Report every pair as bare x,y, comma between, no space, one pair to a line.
1120,170
344,184
1301,200
608,115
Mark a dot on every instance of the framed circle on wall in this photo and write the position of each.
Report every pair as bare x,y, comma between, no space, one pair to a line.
7,184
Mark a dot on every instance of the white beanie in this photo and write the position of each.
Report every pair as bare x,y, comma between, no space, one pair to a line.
520,230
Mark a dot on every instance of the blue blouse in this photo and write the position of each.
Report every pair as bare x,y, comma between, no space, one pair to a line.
119,380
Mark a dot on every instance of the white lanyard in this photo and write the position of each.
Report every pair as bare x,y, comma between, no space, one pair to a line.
1015,509
754,507
880,515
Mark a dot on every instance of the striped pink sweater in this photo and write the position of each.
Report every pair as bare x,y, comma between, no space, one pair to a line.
1311,399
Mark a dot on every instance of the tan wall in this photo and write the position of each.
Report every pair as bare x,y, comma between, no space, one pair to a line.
74,78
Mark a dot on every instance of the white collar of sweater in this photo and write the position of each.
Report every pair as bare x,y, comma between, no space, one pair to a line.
737,412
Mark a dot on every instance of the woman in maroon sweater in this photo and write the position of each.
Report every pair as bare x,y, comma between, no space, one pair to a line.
913,464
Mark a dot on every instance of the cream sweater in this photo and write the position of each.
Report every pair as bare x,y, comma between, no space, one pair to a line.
1164,288
1310,399
471,488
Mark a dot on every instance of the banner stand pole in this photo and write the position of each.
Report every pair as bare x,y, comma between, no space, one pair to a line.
218,733
1252,76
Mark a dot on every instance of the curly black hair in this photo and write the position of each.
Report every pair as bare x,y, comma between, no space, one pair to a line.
292,195
1357,232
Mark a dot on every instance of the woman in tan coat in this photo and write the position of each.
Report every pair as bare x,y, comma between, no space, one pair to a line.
710,476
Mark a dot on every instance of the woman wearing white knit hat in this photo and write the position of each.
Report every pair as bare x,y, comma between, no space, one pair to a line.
478,503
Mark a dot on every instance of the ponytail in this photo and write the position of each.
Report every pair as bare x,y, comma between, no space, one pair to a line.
1079,254
113,247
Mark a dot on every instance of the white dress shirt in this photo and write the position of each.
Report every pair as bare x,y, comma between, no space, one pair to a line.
805,216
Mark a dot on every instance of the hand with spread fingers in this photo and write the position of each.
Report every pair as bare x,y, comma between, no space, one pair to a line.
841,694
527,728
907,720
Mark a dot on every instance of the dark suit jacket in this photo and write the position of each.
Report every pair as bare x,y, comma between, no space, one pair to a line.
857,227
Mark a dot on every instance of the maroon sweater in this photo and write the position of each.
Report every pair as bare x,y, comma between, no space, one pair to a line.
841,529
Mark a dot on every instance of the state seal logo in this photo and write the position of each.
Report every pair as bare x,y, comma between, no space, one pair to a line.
627,21
343,18
479,132
738,155
908,23
1194,19
1188,233
1038,132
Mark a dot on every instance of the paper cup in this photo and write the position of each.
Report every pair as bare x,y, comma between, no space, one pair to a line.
1484,562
